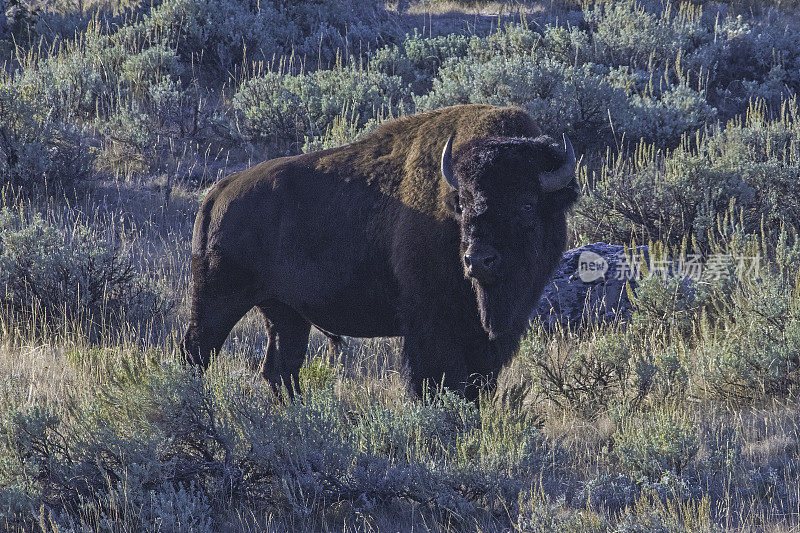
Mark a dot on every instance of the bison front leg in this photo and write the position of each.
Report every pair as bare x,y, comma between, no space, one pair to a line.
221,295
447,350
436,359
287,343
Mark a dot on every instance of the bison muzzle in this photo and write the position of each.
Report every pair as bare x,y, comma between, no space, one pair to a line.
440,227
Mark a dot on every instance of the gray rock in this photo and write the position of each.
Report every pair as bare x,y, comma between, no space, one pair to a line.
589,286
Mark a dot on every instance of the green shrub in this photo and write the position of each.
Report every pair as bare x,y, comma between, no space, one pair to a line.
282,108
139,72
627,33
673,373
89,472
511,40
681,194
267,109
609,491
667,308
317,375
221,29
589,101
568,45
171,441
540,513
221,32
418,58
565,98
37,153
71,82
128,92
659,442
667,118
344,129
53,273
149,84
753,352
585,375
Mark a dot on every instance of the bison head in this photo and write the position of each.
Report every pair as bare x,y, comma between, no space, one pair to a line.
510,198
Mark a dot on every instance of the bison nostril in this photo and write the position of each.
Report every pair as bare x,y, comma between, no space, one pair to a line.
481,263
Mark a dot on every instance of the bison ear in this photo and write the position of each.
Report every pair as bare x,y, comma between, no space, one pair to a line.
447,164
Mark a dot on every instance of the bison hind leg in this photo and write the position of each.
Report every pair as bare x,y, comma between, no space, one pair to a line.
287,344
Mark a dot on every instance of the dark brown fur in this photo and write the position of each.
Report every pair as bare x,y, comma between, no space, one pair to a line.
365,241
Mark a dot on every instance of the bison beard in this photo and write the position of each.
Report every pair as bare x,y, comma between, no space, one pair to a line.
365,240
502,306
486,309
493,309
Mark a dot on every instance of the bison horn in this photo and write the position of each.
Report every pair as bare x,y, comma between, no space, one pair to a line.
560,177
447,164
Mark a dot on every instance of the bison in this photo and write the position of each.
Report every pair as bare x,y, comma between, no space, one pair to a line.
441,227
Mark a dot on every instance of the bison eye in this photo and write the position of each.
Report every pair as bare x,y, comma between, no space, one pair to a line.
526,213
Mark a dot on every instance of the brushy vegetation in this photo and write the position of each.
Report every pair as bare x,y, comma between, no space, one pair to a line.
69,270
115,117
